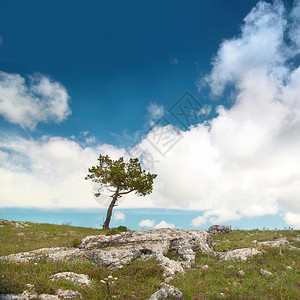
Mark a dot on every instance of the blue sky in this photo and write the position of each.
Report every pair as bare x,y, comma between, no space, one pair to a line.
79,78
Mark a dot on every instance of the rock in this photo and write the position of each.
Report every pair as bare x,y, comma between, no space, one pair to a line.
205,267
58,253
218,229
297,239
117,250
241,273
48,297
68,294
165,292
277,243
264,272
289,268
237,254
80,279
254,242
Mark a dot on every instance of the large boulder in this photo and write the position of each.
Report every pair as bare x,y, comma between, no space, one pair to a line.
116,250
218,229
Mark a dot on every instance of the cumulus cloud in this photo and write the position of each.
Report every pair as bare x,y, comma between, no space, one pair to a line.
147,223
27,102
154,112
119,216
164,224
245,161
49,172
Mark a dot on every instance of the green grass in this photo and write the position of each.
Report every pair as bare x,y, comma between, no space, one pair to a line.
140,279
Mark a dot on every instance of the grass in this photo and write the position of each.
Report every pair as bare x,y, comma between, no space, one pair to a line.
140,279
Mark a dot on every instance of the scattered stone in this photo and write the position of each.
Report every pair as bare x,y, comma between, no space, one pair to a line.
241,273
165,292
205,267
237,254
20,234
254,242
277,243
58,253
68,294
48,297
297,239
289,268
218,229
80,279
230,267
264,272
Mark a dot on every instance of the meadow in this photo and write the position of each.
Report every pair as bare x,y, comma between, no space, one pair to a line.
209,278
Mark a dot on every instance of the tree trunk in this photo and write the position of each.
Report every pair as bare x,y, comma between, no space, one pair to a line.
110,209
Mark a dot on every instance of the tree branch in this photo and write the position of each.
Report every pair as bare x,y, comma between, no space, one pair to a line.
123,193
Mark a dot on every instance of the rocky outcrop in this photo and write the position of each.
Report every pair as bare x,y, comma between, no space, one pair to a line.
80,279
166,292
237,254
57,253
277,243
117,250
218,229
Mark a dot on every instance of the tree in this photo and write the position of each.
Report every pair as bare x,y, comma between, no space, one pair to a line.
123,177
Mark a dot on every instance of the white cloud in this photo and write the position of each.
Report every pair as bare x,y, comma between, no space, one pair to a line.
119,216
293,219
155,112
27,102
164,224
147,223
244,162
199,221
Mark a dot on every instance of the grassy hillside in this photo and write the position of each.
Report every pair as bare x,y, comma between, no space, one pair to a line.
209,278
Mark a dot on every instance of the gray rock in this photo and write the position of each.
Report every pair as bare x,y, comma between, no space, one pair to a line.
218,229
276,243
241,273
264,272
80,279
166,291
118,250
237,254
48,297
68,294
58,253
205,267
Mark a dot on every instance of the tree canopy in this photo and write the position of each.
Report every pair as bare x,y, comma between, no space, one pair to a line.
123,177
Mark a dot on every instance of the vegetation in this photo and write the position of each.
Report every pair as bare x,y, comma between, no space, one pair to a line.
123,178
140,279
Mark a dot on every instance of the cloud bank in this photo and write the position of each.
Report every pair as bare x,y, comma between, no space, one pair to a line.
241,164
27,102
244,162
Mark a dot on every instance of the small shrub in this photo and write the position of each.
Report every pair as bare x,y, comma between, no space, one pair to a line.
116,230
76,242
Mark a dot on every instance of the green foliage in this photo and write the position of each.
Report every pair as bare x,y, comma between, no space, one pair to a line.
126,177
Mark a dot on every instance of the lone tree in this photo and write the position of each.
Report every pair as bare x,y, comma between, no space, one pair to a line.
122,177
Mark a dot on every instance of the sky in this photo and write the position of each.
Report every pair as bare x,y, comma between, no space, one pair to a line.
206,94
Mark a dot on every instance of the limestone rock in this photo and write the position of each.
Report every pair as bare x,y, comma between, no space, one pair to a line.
277,243
57,253
68,294
80,279
218,229
165,292
116,250
264,272
237,254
